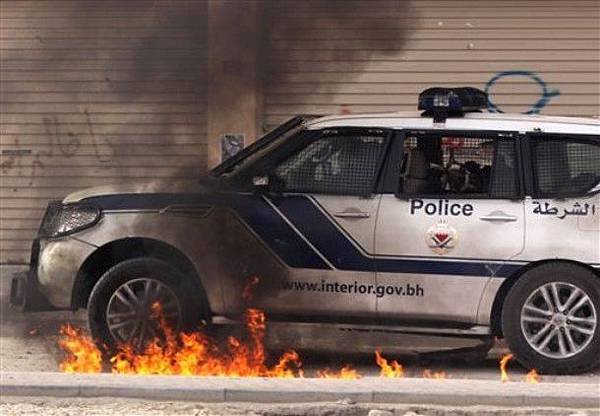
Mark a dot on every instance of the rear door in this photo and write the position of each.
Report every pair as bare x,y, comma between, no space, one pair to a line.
455,222
563,217
325,193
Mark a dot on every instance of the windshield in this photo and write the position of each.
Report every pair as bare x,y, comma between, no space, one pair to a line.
260,146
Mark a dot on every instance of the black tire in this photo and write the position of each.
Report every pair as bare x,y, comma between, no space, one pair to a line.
192,304
589,356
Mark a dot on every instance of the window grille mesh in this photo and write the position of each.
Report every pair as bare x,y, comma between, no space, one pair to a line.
447,165
566,166
333,165
504,173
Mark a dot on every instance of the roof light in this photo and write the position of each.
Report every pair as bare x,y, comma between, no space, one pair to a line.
442,103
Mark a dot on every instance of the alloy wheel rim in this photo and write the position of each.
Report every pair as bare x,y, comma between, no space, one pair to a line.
558,320
130,316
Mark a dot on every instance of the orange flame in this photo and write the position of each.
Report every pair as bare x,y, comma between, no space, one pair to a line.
83,356
532,377
394,370
503,362
247,292
196,353
347,372
434,374
190,354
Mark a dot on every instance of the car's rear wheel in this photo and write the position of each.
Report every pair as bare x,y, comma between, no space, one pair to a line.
550,319
128,300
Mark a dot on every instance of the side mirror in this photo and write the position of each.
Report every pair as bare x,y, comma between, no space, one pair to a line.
268,184
261,183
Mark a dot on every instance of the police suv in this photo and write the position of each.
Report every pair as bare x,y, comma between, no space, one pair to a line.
451,223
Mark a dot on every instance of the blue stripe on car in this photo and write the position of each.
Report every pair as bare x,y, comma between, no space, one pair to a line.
314,225
344,255
276,233
271,229
323,234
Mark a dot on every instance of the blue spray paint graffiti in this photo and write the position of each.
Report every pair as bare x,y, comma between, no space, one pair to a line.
546,94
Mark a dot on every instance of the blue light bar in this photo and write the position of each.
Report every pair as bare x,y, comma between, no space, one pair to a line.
444,102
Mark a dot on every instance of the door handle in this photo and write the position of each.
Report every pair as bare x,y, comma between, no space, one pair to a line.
352,214
499,216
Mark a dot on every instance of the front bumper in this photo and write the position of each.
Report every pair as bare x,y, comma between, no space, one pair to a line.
25,293
24,288
48,284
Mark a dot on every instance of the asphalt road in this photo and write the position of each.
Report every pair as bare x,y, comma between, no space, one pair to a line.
28,342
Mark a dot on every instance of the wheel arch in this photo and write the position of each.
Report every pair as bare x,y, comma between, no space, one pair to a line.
112,253
496,324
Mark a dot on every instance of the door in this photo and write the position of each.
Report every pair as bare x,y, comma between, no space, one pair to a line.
325,193
564,211
454,223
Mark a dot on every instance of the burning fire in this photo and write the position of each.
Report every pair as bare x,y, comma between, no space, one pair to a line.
394,370
532,377
434,374
83,356
347,372
197,354
247,293
503,362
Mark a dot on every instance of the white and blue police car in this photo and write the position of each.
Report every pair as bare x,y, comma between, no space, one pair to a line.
450,222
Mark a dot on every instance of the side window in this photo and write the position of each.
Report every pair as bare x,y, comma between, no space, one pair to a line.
451,165
335,163
565,166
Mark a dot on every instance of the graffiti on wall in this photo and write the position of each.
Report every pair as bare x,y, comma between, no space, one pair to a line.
545,94
60,145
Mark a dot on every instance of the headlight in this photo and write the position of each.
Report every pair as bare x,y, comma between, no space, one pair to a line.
62,219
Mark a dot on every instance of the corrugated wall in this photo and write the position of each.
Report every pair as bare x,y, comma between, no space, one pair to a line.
554,45
95,92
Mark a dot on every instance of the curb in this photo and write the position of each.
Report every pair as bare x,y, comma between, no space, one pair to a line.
265,390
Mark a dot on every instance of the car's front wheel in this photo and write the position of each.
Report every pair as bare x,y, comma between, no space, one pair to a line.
128,300
550,319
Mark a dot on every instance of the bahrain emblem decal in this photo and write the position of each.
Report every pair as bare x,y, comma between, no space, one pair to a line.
441,237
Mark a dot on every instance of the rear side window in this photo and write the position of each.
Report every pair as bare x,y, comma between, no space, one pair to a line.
566,165
335,163
452,165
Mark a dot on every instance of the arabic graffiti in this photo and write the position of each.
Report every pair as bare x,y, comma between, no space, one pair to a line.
26,163
546,93
561,213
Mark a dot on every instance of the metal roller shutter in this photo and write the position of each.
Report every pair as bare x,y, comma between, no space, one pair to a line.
326,69
96,92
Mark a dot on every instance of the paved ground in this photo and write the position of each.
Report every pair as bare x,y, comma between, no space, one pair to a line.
28,342
109,407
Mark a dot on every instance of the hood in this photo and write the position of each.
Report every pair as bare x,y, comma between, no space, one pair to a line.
136,188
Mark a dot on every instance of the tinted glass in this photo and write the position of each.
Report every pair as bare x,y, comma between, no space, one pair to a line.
566,166
453,165
334,164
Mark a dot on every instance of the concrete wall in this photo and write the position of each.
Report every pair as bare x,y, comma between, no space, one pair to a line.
233,94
